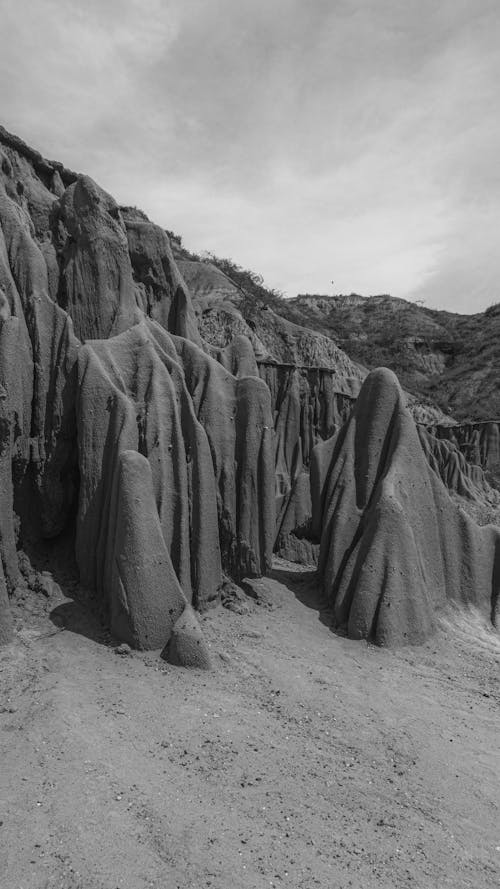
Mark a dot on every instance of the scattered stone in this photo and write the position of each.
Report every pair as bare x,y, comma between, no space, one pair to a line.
233,598
123,649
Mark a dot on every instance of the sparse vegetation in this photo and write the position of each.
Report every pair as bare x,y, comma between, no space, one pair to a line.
443,357
493,310
255,294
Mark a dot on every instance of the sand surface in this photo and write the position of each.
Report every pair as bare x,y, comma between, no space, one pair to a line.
302,760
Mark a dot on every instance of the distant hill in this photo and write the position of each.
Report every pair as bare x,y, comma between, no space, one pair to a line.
450,359
445,359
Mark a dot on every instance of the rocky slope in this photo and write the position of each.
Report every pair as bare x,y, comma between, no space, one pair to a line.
164,422
230,301
225,310
450,359
297,363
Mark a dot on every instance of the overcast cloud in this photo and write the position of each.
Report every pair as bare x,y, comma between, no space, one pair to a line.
310,140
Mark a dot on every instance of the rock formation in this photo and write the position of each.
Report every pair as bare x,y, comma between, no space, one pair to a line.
466,477
308,405
478,442
114,417
152,414
224,310
394,548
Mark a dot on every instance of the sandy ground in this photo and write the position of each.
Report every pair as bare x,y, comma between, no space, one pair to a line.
301,760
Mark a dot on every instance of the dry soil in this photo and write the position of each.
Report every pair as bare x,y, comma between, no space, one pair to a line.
301,760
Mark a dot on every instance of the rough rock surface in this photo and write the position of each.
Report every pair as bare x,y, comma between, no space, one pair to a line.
5,615
186,646
169,435
235,413
394,548
217,303
308,376
37,356
478,442
132,396
160,289
223,312
464,476
308,406
96,286
114,420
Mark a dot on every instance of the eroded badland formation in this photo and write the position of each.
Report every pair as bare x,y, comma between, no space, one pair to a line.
162,438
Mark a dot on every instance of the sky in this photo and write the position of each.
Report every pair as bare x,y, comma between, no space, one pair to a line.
333,146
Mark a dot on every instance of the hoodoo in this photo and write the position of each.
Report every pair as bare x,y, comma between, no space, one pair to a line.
394,547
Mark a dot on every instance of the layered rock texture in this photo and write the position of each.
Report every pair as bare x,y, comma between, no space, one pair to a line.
179,434
394,548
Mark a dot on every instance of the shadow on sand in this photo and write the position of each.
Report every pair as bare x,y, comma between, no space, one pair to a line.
306,587
79,617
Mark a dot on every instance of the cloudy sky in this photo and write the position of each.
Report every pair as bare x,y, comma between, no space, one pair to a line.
314,141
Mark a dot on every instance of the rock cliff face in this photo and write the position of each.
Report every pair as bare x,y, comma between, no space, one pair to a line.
395,550
113,416
175,438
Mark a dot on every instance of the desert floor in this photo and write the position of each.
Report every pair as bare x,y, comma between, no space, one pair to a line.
302,760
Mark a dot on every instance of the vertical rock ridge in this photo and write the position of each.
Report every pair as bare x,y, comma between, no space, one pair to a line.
394,548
